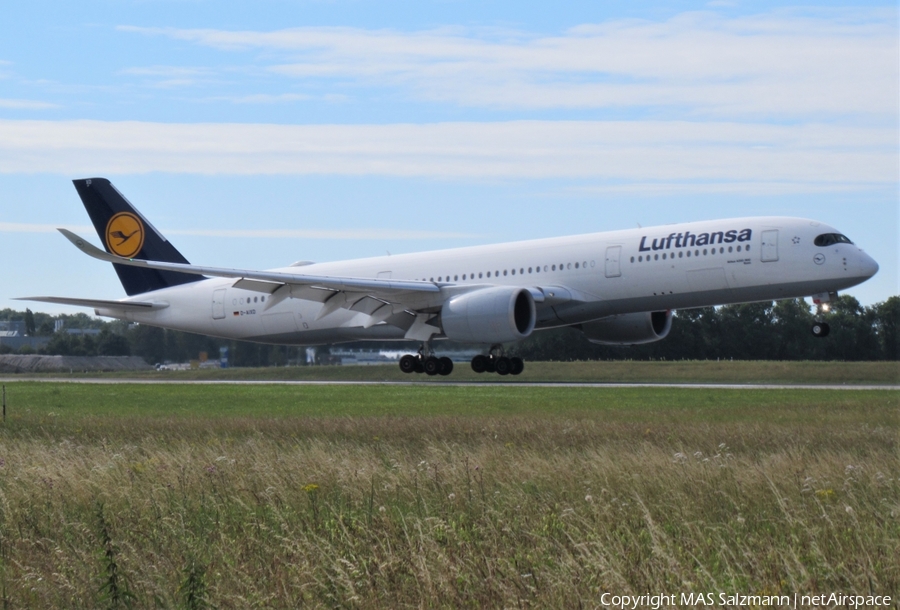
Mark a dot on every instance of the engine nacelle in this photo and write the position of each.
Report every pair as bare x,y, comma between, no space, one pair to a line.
629,328
490,315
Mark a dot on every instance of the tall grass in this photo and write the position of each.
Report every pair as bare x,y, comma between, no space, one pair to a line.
523,510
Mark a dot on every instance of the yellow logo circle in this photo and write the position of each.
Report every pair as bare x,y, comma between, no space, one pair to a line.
125,234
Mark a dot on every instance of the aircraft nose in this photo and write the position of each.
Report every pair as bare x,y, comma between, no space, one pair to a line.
867,265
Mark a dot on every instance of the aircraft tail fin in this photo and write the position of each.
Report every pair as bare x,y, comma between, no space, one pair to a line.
125,232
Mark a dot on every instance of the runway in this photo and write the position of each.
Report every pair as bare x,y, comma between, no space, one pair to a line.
461,384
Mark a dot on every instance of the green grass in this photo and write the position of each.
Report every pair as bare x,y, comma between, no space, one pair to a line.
236,496
596,371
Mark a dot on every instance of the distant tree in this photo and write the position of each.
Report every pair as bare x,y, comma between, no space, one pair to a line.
112,344
886,323
30,329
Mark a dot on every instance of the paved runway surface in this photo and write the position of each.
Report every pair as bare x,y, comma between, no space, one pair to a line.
516,384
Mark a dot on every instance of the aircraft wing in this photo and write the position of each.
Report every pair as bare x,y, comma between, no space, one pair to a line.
327,282
409,304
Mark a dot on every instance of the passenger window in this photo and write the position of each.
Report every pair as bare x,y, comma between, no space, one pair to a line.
521,270
704,251
504,273
554,267
664,256
680,254
748,248
689,254
730,249
513,271
656,257
632,259
489,274
738,248
262,299
584,264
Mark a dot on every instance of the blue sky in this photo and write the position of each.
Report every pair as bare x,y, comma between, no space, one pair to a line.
257,134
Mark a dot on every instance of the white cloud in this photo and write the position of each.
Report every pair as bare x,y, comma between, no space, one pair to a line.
263,98
344,234
818,156
783,63
12,104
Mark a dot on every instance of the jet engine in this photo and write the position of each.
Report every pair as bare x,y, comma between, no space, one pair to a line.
629,328
490,315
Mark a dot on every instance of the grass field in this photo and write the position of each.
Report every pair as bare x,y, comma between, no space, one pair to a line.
683,371
434,496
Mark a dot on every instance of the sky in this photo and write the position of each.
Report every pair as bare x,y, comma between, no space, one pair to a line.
255,134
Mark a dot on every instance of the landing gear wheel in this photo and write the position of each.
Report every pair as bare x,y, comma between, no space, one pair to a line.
518,365
432,365
408,363
446,366
479,363
820,329
503,365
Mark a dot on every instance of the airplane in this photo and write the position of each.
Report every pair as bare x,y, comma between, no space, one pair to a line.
617,287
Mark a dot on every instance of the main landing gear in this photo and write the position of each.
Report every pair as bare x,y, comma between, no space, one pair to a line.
426,362
496,362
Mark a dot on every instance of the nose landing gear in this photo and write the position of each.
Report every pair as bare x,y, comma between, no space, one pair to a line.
820,329
496,362
822,301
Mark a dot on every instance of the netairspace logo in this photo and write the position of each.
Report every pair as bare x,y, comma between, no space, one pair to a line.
693,600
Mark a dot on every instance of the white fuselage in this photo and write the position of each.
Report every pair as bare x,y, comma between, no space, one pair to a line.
584,277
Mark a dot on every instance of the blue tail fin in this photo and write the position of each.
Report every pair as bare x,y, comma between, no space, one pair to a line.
125,232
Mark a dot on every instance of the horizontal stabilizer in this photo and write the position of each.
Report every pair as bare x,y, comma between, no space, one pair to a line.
99,303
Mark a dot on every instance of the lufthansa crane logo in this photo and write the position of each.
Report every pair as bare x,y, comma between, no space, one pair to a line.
125,234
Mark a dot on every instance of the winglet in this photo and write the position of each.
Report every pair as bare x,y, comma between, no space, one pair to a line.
88,248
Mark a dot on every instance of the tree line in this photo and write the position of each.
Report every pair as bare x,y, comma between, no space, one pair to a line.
756,331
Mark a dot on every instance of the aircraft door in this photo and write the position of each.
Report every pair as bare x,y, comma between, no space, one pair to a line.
218,304
769,249
613,268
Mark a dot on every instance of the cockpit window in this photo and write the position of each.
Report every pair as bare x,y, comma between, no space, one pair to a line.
829,239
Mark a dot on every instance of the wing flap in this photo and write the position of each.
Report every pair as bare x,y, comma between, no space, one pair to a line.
99,303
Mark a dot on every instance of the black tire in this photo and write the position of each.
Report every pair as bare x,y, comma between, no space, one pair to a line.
518,365
820,329
408,363
446,366
432,365
479,363
420,367
490,365
504,365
